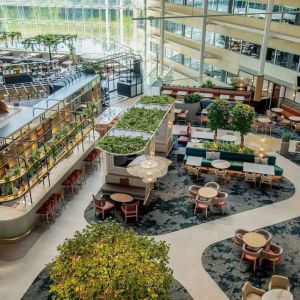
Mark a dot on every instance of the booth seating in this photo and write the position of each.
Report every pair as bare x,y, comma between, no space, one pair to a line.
290,110
235,159
126,185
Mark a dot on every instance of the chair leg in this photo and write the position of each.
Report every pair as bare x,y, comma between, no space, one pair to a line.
254,266
206,213
273,267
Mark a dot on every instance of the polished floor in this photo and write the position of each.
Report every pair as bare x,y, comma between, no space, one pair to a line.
22,261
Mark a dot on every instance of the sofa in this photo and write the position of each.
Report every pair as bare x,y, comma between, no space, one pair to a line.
236,159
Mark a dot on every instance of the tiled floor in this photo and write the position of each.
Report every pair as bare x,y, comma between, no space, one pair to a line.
22,261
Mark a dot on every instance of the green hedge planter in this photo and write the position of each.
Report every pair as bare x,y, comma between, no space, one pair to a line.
226,147
161,100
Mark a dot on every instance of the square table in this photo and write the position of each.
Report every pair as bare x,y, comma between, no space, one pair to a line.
166,92
181,93
195,161
259,168
202,135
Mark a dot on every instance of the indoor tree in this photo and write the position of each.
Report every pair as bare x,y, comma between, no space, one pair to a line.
6,36
218,115
51,42
242,119
108,261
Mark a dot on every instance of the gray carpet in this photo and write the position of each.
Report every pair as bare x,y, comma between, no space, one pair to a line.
222,262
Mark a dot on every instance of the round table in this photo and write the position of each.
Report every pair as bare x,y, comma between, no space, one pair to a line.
277,294
277,110
220,164
254,240
264,120
207,192
228,138
123,198
295,119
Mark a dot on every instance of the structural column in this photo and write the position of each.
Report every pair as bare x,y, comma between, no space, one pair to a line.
145,37
202,45
107,29
121,22
263,52
162,38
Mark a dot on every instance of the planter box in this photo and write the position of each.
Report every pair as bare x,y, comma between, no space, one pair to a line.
284,149
193,108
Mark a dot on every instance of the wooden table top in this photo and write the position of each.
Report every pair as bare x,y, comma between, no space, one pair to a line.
258,168
177,110
119,197
254,240
294,118
277,294
264,120
277,109
207,192
195,161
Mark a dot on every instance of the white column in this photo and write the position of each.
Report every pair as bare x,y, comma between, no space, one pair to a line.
121,22
107,31
266,37
162,38
202,45
145,37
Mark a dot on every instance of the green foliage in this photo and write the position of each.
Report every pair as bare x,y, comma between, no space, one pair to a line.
16,171
161,100
242,119
141,119
6,36
218,115
122,145
208,85
229,147
107,261
91,67
193,98
286,137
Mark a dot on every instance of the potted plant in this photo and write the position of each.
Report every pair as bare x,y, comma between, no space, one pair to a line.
16,171
242,119
9,185
285,143
218,115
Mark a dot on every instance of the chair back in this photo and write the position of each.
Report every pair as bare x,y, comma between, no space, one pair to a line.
192,170
266,179
268,236
99,202
238,235
279,282
253,253
193,190
200,200
212,184
131,207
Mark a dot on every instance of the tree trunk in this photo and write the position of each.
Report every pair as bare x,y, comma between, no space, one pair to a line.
50,55
242,140
216,134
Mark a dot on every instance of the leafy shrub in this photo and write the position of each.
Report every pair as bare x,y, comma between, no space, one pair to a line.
229,147
107,261
193,98
208,84
161,100
122,145
141,119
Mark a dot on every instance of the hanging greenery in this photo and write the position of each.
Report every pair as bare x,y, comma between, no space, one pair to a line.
6,36
108,261
51,42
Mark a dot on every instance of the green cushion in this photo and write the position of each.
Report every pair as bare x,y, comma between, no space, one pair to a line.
206,162
236,165
278,171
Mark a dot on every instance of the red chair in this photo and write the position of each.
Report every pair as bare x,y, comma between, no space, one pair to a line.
81,174
273,255
203,120
130,211
45,212
183,140
251,255
70,183
103,206
238,237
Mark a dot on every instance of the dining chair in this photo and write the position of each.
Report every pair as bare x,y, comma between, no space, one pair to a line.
212,184
193,192
221,201
267,180
193,171
256,126
202,205
238,237
250,177
130,211
249,292
270,127
279,282
182,117
221,175
102,206
251,255
273,255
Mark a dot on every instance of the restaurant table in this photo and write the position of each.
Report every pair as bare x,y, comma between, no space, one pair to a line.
181,93
195,161
258,168
177,110
119,197
295,119
205,135
220,164
207,192
277,294
228,138
277,110
264,120
254,240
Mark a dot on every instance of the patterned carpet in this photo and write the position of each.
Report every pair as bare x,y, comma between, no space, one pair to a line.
39,290
223,263
169,211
